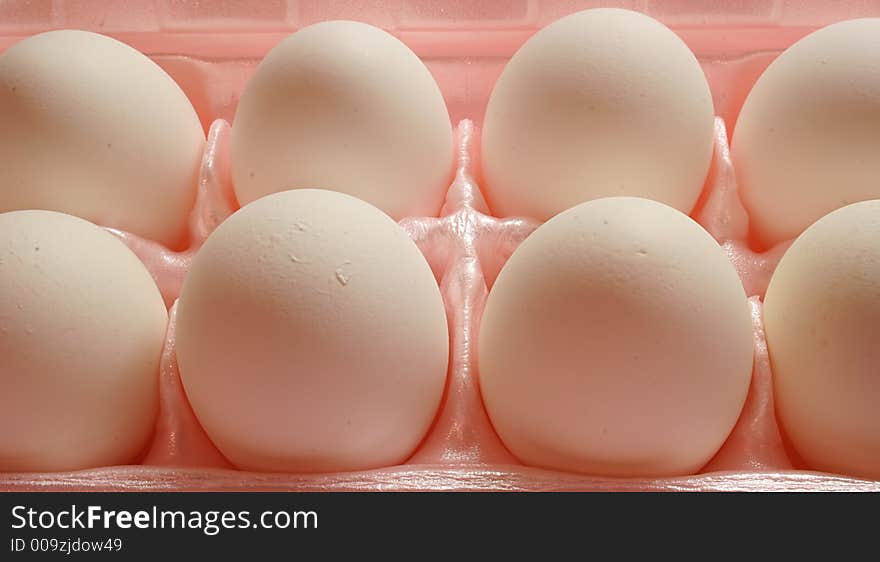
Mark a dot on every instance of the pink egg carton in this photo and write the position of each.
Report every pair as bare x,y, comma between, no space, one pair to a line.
212,47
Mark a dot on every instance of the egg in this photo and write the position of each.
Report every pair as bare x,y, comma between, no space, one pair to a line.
82,326
93,128
312,336
344,106
821,316
616,341
604,102
806,140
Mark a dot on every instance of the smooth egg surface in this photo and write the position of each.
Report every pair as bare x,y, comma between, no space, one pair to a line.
82,326
821,316
616,341
93,128
344,106
604,102
806,141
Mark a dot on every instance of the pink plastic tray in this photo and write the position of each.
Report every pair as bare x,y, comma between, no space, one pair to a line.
212,47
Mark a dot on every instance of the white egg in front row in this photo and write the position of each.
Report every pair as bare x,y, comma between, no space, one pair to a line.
82,326
616,341
312,336
822,319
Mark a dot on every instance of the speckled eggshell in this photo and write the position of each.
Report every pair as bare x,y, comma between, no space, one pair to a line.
312,336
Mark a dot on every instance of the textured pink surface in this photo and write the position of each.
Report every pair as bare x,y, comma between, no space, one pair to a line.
213,57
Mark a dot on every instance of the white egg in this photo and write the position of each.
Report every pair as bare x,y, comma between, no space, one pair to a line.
822,319
806,141
81,331
312,336
94,128
600,103
616,341
344,106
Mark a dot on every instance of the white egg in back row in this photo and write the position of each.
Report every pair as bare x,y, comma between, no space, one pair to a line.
344,106
808,137
91,127
604,102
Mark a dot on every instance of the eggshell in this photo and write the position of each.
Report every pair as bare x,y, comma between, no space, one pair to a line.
599,103
312,336
94,128
616,341
345,106
806,141
81,331
822,319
